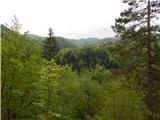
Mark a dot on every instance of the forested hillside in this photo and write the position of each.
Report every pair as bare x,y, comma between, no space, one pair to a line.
55,78
92,41
70,43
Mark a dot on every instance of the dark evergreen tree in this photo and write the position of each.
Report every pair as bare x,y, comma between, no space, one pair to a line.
50,46
137,28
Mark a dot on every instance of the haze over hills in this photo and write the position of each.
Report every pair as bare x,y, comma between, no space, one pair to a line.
76,42
66,42
62,42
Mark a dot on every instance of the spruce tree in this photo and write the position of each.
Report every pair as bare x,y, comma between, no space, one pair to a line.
137,27
50,46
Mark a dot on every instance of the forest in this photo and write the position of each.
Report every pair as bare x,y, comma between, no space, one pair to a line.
53,78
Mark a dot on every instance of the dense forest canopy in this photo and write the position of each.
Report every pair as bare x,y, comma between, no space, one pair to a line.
54,78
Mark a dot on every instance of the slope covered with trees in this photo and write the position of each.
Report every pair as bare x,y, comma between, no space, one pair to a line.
117,80
34,88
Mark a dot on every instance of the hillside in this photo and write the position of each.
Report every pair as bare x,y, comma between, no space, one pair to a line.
70,43
81,60
66,42
62,42
92,41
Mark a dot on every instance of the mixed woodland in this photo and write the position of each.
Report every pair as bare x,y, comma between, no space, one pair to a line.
55,78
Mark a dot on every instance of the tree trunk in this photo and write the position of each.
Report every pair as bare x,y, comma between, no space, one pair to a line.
149,68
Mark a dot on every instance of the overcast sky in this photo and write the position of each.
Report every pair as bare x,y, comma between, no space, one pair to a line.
68,18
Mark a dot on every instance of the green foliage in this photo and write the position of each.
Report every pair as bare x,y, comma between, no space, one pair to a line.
122,103
109,85
50,73
37,89
85,58
137,27
20,62
100,74
79,97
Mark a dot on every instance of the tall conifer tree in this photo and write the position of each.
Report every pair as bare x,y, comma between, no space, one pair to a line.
138,28
50,46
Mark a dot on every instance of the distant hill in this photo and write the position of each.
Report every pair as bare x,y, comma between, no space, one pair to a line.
36,37
65,42
62,42
84,42
92,41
